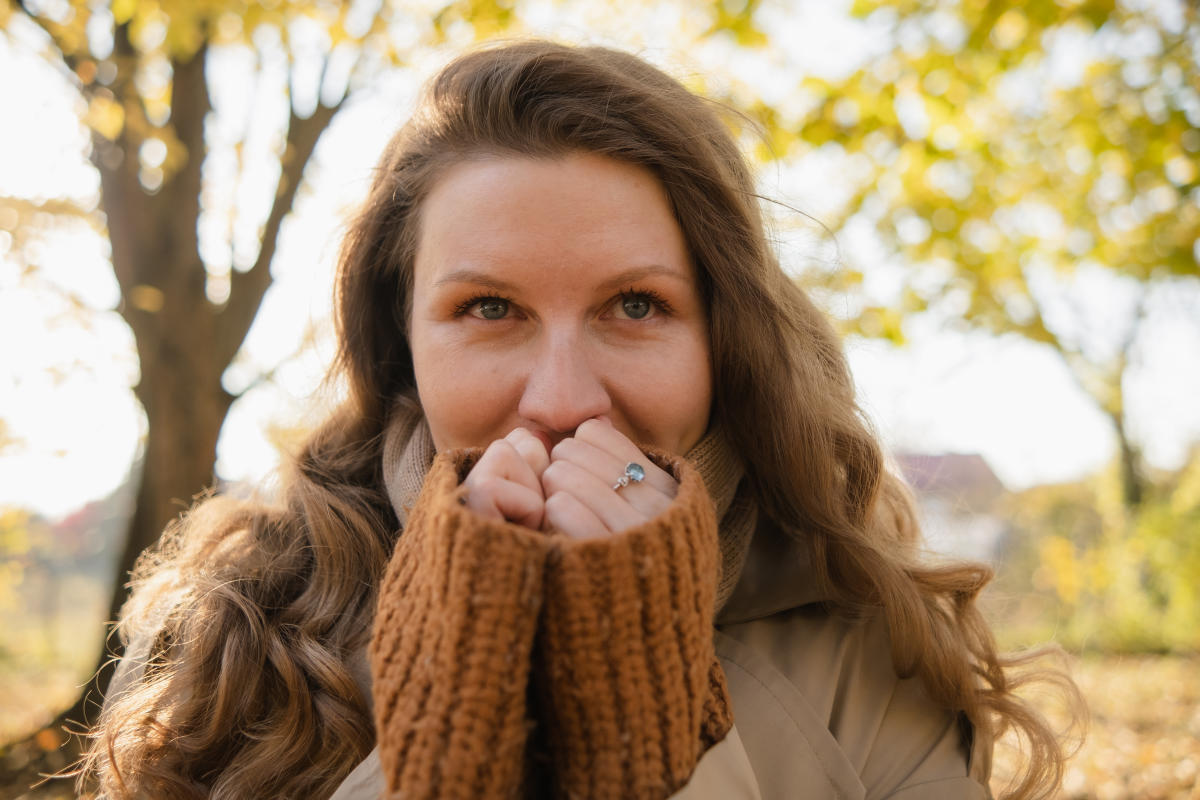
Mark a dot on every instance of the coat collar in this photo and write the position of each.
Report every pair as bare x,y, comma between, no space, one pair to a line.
777,576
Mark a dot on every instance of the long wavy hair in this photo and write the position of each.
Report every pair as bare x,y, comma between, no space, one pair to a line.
248,614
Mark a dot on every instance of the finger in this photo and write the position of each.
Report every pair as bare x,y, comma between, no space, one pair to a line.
615,512
566,514
496,498
491,488
609,468
503,459
645,497
530,448
602,434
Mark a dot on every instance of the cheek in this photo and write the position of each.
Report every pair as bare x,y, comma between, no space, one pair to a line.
667,397
464,395
692,394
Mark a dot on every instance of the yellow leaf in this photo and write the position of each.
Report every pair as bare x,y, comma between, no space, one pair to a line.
123,10
146,298
48,739
105,116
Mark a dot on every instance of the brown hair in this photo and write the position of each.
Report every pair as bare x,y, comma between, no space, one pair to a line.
246,692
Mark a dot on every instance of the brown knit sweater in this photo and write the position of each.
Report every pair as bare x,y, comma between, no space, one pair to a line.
506,660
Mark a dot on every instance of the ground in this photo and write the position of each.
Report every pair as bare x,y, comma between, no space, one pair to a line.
1143,741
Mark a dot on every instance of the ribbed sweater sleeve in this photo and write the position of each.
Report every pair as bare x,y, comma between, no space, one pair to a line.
452,646
628,683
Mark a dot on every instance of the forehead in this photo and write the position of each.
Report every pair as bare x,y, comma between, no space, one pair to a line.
579,208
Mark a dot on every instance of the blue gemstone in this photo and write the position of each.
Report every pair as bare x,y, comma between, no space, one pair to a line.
635,472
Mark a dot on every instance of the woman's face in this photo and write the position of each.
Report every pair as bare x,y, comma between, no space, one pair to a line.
550,291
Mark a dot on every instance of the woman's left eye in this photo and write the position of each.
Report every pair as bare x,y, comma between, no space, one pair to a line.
635,306
485,307
492,308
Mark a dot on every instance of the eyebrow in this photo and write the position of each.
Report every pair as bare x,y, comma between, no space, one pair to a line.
639,273
630,275
475,277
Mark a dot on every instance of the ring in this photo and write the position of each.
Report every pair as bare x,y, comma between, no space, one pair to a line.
633,474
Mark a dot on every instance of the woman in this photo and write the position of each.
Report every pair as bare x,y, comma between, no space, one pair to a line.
598,516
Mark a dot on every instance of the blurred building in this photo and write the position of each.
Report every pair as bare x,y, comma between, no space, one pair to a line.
959,502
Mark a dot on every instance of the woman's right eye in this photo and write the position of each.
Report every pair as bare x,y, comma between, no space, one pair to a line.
490,308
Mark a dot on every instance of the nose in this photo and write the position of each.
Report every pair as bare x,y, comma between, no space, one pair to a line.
563,387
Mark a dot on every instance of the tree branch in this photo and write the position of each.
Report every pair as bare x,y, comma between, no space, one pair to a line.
122,198
65,208
190,104
1072,357
177,206
247,288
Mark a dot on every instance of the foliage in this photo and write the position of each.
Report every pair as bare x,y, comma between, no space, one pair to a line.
1099,576
984,157
30,546
1016,156
16,545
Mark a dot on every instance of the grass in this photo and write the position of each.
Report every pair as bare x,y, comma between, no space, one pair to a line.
45,657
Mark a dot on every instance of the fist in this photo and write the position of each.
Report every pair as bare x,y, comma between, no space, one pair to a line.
571,488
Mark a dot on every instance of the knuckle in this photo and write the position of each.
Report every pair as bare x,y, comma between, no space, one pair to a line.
564,448
556,474
589,427
497,452
487,485
533,450
519,437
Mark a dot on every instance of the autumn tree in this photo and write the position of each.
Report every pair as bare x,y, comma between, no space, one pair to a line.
1015,156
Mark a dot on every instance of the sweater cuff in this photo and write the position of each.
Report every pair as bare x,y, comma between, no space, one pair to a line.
631,690
451,647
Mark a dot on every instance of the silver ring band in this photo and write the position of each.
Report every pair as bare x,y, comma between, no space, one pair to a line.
634,473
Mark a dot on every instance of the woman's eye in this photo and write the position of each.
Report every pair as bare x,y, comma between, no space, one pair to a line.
636,306
491,308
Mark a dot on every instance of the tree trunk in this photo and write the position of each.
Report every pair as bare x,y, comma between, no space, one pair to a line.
156,259
1133,482
185,409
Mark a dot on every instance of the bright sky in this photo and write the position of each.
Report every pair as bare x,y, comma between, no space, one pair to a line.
79,426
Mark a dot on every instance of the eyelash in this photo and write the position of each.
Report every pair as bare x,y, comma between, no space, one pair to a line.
467,305
660,302
656,299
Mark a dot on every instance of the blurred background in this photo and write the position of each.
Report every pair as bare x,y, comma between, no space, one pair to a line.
998,202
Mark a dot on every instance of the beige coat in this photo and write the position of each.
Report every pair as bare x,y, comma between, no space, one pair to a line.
819,712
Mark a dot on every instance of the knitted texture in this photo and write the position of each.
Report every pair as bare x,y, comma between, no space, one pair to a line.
628,690
632,694
451,649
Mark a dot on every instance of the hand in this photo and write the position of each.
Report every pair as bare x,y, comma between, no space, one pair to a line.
506,483
578,484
